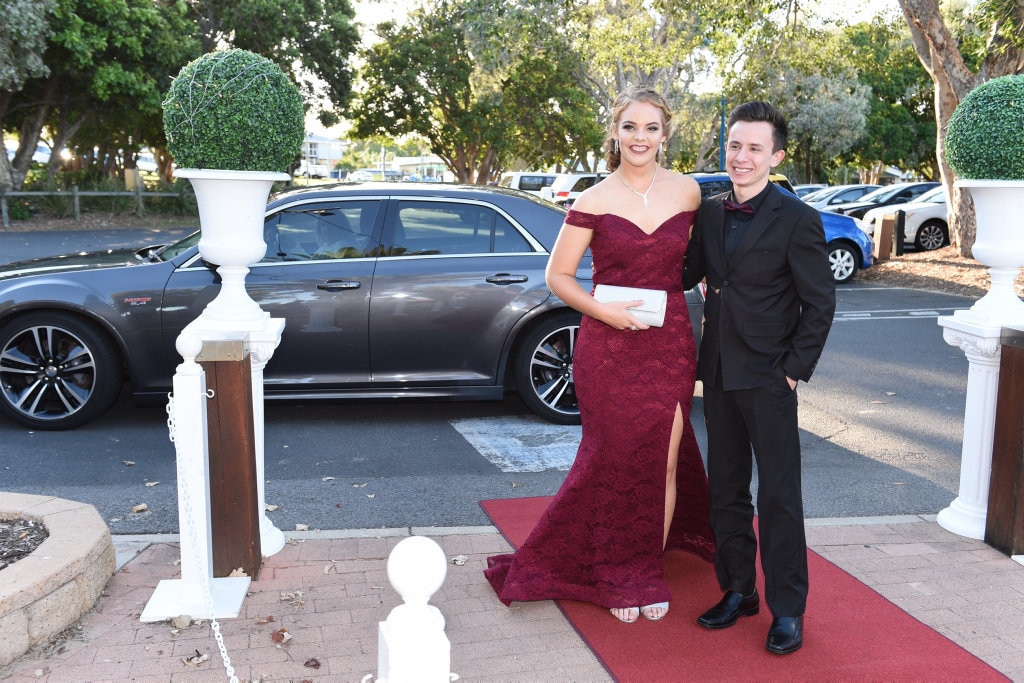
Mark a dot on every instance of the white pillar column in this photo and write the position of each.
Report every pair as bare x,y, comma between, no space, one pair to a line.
966,515
262,344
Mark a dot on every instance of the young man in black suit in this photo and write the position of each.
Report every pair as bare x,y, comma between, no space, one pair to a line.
770,302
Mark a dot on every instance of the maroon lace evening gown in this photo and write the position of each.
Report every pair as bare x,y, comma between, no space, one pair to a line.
600,540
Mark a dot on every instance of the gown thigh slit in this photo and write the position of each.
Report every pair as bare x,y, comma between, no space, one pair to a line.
602,538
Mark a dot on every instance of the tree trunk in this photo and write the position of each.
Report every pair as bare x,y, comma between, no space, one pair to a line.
940,55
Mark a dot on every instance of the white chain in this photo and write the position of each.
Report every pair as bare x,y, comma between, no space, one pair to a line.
204,579
170,417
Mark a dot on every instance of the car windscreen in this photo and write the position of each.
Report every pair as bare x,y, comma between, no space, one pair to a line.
180,247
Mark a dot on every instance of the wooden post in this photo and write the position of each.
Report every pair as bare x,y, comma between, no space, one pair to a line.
77,203
1004,525
883,237
234,513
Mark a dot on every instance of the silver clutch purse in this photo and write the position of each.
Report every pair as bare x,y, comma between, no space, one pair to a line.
651,312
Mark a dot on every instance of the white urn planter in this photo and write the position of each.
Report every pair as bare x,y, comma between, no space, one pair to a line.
232,207
999,209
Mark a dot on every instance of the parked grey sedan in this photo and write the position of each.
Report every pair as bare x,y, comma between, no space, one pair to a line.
388,291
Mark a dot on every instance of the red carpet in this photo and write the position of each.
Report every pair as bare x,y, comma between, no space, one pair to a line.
851,632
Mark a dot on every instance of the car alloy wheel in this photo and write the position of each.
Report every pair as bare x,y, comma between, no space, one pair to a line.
930,236
842,261
543,368
56,371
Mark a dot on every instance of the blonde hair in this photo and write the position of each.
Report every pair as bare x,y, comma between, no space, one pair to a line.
627,97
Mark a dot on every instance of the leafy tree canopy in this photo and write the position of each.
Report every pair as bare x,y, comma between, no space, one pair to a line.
23,35
313,40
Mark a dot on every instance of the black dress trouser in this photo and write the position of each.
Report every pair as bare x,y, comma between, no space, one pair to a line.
743,426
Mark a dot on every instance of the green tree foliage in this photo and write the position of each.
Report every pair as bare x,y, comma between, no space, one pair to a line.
23,35
312,40
423,78
826,116
107,64
105,59
901,122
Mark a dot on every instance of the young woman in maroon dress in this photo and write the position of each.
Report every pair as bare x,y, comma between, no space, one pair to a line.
637,486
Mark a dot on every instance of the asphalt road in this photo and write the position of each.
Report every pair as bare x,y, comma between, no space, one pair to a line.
881,420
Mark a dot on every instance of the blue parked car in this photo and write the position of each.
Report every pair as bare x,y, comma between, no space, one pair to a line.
849,246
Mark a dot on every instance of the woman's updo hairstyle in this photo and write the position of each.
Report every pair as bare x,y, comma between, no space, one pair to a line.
627,97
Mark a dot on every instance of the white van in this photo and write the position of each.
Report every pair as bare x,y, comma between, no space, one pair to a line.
527,181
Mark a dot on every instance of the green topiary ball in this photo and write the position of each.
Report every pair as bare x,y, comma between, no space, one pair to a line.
985,137
233,110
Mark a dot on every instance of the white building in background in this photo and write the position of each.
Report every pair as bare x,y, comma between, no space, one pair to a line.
320,150
428,168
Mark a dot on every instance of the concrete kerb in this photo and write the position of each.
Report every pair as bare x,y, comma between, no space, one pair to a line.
47,591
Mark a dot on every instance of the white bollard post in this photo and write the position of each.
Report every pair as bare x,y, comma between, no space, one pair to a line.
412,645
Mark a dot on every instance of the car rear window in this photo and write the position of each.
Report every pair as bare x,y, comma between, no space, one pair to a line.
535,182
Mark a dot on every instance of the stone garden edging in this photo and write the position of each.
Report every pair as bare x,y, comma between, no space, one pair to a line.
49,589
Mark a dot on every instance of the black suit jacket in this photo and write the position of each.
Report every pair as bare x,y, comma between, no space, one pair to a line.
769,308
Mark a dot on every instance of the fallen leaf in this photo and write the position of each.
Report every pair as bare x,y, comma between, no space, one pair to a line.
197,659
295,599
181,621
459,560
237,572
302,527
515,485
371,495
269,508
890,393
327,479
264,620
281,636
152,483
141,507
312,663
129,463
358,486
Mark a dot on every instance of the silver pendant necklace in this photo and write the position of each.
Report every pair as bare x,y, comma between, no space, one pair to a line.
642,195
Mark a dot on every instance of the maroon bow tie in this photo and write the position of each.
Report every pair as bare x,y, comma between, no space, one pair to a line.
746,207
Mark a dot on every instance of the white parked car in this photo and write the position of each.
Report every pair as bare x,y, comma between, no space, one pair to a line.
312,170
837,194
568,186
926,223
533,182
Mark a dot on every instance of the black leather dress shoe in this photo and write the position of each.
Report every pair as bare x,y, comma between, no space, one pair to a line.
731,607
786,635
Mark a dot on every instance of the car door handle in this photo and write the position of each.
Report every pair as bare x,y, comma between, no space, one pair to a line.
338,285
506,279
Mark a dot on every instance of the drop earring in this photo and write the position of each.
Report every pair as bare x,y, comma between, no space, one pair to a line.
615,146
661,149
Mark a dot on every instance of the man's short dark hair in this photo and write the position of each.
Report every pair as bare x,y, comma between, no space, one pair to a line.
762,111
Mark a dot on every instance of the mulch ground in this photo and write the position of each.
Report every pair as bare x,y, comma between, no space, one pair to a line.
19,537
